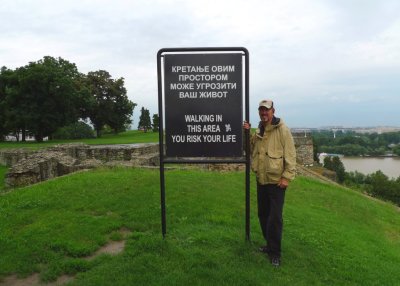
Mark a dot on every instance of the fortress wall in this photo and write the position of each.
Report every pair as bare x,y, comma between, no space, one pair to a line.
304,149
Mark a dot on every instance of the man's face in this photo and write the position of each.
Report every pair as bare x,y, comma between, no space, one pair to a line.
266,115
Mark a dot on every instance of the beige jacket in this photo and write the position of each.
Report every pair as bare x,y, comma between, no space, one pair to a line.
273,155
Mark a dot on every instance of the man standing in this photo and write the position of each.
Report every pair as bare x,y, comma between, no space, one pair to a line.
273,159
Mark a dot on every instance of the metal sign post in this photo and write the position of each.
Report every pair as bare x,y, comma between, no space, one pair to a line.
200,102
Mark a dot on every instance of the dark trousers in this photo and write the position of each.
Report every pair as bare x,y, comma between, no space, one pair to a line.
270,199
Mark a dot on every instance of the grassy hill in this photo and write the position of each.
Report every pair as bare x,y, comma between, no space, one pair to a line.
332,236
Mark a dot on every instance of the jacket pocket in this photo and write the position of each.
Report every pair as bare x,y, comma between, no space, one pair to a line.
274,163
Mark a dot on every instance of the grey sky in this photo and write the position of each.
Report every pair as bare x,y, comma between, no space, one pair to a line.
326,62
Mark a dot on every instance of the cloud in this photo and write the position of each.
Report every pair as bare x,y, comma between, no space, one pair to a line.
303,53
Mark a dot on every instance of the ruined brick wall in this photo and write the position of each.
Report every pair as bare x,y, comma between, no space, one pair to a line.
304,148
9,157
28,167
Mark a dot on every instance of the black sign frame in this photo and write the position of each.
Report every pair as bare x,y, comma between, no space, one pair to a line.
235,158
203,99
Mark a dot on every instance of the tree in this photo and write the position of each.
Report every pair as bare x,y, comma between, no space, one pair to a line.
77,130
379,183
6,84
396,150
144,120
122,108
328,163
17,106
156,122
109,103
335,164
338,167
47,96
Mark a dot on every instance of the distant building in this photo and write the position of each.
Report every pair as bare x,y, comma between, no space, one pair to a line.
28,137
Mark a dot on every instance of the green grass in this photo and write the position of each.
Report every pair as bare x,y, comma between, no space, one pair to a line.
332,236
3,171
128,137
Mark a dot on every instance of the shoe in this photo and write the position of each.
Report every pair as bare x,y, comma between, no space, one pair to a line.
276,261
263,249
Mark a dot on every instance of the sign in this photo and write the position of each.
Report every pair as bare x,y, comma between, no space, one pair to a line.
202,89
203,104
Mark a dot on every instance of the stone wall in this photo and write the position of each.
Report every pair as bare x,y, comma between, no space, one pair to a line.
29,167
33,167
304,149
9,157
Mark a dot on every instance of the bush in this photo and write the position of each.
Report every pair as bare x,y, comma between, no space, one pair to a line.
376,184
78,130
396,150
335,164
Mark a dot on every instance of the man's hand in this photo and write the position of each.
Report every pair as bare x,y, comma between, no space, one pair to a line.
283,183
246,125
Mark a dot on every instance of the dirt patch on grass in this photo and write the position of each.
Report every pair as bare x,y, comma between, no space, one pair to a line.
34,280
13,280
112,248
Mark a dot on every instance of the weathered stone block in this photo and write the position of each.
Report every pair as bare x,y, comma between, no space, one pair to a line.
304,149
9,157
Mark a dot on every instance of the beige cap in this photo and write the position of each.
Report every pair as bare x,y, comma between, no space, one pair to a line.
267,103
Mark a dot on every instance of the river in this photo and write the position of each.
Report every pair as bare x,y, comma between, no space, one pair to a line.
390,166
